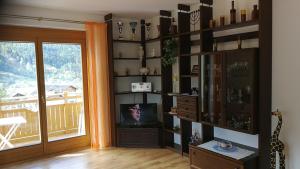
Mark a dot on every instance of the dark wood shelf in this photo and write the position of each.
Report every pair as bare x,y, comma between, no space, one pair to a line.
235,37
167,113
129,92
191,54
127,41
229,38
153,57
153,40
232,26
181,34
228,128
196,42
137,76
153,75
136,59
172,131
189,76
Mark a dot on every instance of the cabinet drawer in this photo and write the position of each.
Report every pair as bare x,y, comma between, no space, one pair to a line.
187,108
206,160
188,116
187,100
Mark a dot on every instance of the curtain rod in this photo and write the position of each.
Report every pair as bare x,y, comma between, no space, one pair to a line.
41,18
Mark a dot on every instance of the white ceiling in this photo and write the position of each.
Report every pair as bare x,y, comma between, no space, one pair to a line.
141,8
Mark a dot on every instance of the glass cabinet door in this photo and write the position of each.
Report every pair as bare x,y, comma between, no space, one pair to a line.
212,88
240,89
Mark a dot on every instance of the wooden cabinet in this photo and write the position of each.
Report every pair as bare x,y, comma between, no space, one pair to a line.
230,90
188,107
138,137
204,159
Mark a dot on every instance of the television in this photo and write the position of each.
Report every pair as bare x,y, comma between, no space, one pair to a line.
138,114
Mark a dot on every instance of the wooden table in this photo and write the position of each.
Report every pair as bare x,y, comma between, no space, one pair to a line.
14,123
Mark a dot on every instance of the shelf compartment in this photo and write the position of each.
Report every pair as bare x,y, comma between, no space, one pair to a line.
233,26
235,37
168,114
153,40
188,76
127,41
195,42
153,57
172,131
229,38
191,54
182,34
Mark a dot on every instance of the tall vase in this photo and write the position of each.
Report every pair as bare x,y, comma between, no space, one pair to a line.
232,14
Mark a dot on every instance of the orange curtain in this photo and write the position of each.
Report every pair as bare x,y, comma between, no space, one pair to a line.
98,85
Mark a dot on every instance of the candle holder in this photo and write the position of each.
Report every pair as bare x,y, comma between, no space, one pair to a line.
195,18
133,29
120,28
243,15
148,28
222,21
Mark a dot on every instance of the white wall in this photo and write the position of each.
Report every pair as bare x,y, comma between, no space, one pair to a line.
286,78
47,13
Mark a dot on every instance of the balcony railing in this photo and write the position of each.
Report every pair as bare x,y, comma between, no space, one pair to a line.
65,117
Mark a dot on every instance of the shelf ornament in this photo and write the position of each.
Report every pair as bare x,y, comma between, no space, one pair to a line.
170,51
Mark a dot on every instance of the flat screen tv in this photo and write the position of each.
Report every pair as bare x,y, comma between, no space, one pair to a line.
138,114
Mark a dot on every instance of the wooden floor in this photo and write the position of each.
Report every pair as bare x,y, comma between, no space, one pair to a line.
116,158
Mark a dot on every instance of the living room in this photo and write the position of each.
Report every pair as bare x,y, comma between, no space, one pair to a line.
149,84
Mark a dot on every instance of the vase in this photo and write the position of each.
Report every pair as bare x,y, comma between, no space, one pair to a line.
255,13
232,14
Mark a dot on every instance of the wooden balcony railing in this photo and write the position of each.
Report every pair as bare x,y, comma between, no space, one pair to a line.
64,117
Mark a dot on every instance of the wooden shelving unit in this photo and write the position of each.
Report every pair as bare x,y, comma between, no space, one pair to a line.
205,44
120,82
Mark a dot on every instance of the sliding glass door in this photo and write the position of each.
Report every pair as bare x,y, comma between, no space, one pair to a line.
19,103
64,90
43,92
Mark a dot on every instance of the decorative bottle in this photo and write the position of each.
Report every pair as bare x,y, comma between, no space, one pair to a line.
255,13
232,14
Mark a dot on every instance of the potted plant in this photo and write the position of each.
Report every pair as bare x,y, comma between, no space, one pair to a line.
170,51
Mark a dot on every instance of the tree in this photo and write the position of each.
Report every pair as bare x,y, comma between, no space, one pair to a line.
2,92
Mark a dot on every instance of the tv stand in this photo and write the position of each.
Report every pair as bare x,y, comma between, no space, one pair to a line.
139,137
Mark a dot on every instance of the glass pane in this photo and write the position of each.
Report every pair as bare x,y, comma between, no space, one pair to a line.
19,108
64,90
